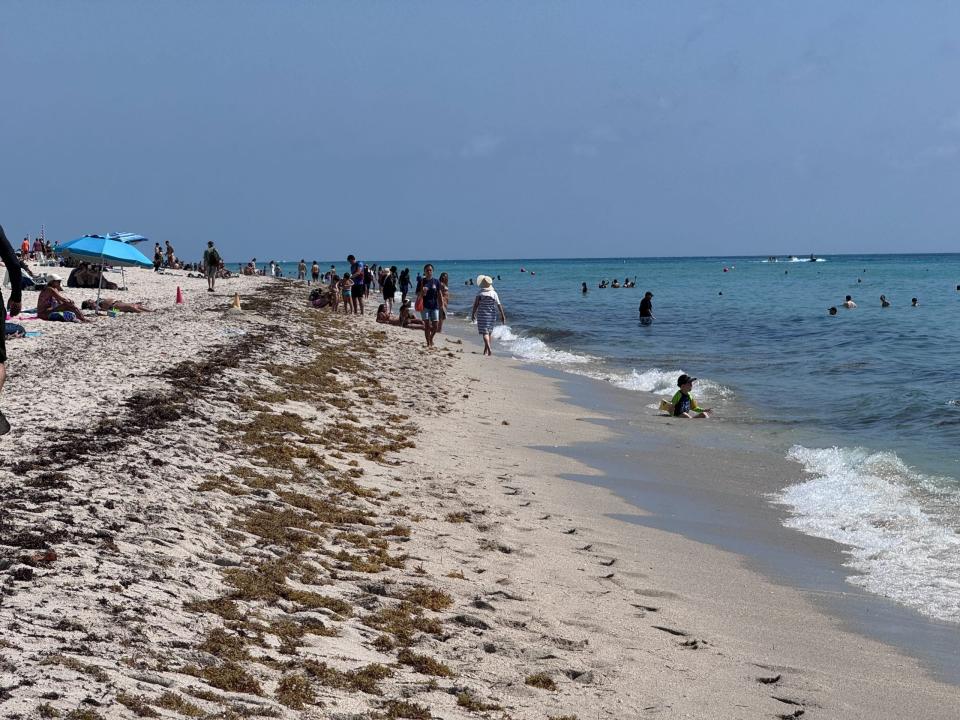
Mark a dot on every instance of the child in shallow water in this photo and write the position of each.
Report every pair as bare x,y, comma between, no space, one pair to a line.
683,403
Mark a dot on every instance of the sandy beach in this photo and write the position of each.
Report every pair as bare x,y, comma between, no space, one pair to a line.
283,513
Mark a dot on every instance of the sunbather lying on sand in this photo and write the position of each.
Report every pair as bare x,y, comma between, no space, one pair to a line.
52,301
114,304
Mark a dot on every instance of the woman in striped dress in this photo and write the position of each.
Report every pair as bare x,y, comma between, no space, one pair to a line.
486,306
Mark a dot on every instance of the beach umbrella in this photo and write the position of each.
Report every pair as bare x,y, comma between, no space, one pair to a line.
131,238
102,250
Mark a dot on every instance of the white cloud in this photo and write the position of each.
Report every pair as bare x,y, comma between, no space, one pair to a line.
604,133
584,150
481,146
952,123
939,152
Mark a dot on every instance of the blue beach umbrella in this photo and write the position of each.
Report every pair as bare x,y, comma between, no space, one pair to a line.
104,250
131,238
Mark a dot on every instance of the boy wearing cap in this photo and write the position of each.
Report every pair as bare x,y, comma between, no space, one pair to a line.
683,403
9,258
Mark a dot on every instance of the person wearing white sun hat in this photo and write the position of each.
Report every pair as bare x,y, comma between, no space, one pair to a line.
486,306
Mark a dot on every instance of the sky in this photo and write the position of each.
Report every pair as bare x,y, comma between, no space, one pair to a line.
450,130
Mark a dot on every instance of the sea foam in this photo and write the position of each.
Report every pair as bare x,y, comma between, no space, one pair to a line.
533,349
653,380
891,517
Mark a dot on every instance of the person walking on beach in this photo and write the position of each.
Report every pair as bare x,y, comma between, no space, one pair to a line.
646,309
405,285
9,258
389,287
302,270
171,257
444,299
429,293
211,264
157,257
683,403
486,307
358,288
315,272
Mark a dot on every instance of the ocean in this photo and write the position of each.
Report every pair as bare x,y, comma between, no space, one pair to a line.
867,401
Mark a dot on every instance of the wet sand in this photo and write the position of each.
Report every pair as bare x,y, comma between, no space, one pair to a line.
280,513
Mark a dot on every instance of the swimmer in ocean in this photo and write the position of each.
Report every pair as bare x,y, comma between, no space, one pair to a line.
884,303
583,288
914,302
849,304
832,310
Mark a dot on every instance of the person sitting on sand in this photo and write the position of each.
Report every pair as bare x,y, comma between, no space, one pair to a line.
683,403
383,316
53,302
407,318
849,304
107,304
884,303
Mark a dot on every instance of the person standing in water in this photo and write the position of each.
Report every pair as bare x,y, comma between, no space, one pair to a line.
583,288
486,307
14,274
646,309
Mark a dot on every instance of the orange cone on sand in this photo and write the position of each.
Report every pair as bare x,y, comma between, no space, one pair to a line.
179,296
235,305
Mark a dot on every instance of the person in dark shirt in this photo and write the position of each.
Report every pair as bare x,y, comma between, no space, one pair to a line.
683,403
10,259
646,308
359,288
430,292
389,287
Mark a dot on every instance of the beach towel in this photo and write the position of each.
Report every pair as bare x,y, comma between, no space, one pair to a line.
64,316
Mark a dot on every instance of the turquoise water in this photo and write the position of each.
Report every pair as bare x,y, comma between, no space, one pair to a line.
867,400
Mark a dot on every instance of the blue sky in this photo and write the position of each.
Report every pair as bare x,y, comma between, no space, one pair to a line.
484,129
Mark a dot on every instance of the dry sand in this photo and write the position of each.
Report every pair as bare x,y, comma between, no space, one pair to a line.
281,513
